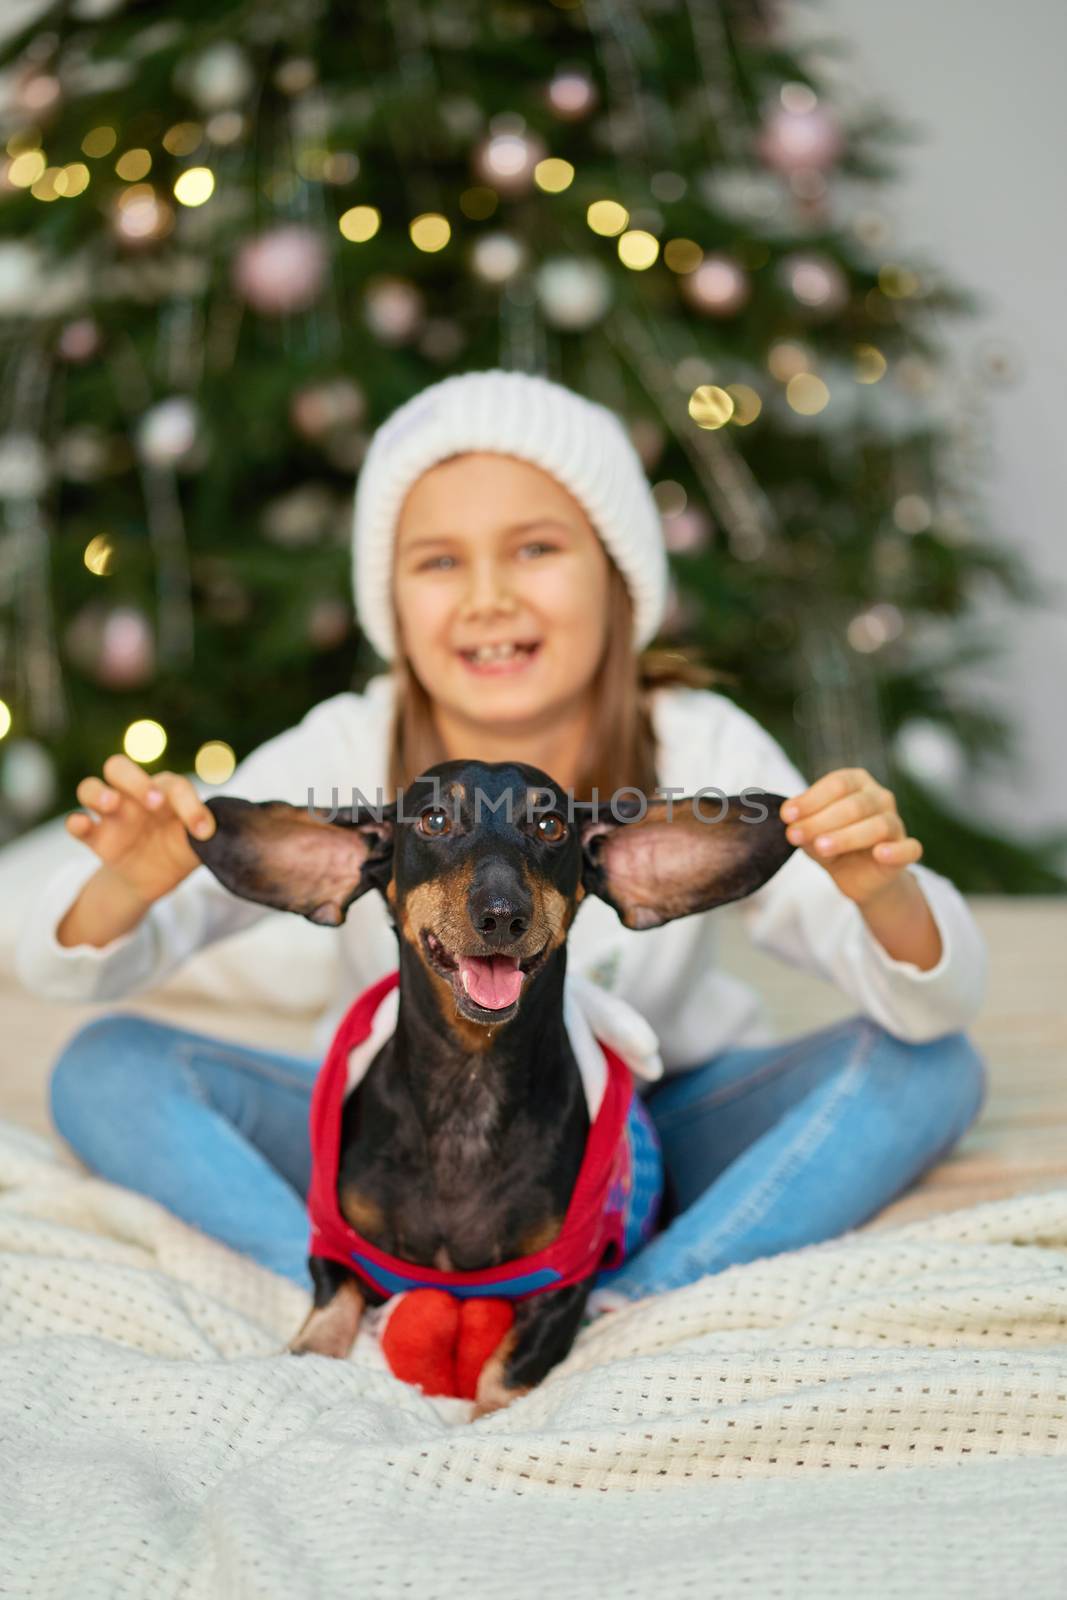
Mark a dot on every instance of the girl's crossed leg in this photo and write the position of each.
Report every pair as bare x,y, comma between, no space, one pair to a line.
770,1147
216,1132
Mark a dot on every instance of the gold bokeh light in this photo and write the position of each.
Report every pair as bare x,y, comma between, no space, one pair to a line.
807,394
99,142
98,555
360,223
430,231
607,217
710,406
682,255
785,359
183,138
553,175
46,186
144,740
214,762
870,363
25,169
133,165
747,403
193,186
73,180
638,249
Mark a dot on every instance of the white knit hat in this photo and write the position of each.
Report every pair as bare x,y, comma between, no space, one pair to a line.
580,443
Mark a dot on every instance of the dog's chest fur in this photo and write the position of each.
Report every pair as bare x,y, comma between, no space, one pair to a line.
451,1179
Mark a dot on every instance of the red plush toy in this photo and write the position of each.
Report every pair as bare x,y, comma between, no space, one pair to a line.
440,1341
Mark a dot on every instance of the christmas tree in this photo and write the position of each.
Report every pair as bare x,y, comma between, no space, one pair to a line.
233,237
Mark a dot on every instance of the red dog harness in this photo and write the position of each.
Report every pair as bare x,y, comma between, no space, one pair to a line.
595,1229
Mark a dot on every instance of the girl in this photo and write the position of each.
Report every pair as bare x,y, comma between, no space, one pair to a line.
509,565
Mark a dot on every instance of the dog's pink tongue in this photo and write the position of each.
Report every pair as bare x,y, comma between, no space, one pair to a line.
491,981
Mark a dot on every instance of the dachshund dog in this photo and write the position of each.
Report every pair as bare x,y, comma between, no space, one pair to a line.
461,1144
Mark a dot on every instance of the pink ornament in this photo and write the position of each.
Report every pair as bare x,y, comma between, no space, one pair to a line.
719,287
296,75
112,644
140,216
393,308
571,94
323,408
38,93
496,257
688,530
329,623
506,161
79,341
815,281
794,140
282,270
127,653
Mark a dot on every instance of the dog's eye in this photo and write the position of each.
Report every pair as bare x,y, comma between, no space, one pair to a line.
551,829
436,823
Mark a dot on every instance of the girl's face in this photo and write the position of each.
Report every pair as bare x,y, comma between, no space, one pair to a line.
491,551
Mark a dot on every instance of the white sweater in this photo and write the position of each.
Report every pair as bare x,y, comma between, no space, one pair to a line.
668,974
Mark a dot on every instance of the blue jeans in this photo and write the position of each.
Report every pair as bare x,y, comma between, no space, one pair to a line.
766,1147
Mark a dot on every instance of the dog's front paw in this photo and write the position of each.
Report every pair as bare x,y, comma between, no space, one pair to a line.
330,1330
318,1342
496,1401
493,1393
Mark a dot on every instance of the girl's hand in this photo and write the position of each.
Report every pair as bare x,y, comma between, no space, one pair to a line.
868,845
140,833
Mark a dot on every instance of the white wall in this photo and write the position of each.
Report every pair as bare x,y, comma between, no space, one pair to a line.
984,196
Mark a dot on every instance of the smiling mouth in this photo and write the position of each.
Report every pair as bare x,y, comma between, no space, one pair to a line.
501,656
486,987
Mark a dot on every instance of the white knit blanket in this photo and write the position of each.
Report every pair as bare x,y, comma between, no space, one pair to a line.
880,1416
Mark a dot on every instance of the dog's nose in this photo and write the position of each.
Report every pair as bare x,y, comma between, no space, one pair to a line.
499,917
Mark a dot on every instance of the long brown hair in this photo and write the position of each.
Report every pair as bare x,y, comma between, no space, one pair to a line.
622,749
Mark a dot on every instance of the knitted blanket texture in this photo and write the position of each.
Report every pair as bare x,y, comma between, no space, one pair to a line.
883,1415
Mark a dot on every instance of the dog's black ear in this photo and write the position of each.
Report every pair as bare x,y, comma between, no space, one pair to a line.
654,868
306,859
